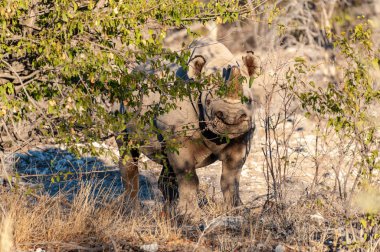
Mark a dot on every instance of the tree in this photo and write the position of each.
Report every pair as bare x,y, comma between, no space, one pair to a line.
64,63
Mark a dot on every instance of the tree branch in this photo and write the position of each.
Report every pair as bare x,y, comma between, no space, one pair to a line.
25,91
16,79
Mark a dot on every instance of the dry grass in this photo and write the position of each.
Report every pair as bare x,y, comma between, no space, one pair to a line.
6,241
104,223
87,221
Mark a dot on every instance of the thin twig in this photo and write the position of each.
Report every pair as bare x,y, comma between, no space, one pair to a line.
26,92
60,174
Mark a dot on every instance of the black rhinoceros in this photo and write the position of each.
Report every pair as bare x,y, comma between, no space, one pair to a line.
223,130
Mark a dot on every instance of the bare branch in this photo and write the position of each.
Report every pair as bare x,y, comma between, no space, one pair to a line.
25,91
16,79
100,5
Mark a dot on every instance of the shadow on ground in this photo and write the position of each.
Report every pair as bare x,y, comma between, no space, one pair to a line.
54,170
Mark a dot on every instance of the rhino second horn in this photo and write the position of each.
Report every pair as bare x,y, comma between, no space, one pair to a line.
234,85
251,62
196,65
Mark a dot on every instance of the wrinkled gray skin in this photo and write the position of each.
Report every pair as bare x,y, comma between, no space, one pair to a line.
203,146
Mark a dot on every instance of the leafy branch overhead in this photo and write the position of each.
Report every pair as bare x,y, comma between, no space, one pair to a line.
62,61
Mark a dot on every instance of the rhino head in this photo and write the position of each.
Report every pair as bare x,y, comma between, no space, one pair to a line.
229,114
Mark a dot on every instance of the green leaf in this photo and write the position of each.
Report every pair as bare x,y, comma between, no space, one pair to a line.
299,60
64,17
251,79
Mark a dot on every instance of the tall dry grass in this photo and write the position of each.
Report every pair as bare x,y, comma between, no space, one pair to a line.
6,234
88,221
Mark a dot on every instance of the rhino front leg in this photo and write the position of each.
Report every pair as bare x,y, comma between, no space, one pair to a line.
168,182
128,165
188,184
233,162
184,168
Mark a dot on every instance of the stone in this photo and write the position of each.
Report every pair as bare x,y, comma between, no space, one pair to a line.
149,247
280,248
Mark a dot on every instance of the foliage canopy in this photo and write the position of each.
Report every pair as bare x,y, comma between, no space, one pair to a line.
62,61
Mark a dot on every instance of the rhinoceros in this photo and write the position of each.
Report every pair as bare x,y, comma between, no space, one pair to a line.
222,129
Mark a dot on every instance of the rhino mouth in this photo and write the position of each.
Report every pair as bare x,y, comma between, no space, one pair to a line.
231,130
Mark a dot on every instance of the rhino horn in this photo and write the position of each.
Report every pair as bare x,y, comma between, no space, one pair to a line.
196,65
234,84
251,63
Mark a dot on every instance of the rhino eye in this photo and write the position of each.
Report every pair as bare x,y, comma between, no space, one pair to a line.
249,101
208,101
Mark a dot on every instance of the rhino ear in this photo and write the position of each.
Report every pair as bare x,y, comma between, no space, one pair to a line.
196,65
251,62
